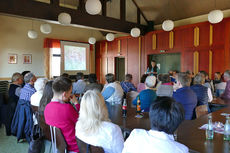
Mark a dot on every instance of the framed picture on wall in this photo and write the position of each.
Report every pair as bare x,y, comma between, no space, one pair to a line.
12,58
27,58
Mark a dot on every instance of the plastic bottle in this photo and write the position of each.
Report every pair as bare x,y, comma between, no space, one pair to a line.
227,129
124,108
209,129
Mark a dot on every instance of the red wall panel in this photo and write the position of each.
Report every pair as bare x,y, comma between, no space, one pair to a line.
204,61
163,40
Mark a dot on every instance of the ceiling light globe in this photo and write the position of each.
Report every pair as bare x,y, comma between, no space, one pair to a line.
110,37
93,7
135,32
215,16
46,28
92,40
64,18
32,34
168,25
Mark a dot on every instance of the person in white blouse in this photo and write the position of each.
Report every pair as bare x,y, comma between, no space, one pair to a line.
94,127
165,116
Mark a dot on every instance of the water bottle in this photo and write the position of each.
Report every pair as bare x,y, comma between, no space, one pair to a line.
138,105
209,129
124,108
227,129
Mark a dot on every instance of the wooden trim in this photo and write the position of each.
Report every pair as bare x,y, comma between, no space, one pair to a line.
139,59
140,11
119,47
106,48
154,41
47,62
210,35
196,36
100,71
171,35
196,62
9,79
210,64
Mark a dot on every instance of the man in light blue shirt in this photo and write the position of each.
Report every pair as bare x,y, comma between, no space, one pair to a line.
79,85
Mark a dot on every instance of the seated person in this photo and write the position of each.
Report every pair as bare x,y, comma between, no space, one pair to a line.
165,116
219,84
93,83
226,94
46,97
200,90
95,128
23,74
39,86
141,85
80,84
147,96
112,91
207,80
61,114
28,90
166,88
127,85
15,87
65,75
185,95
22,122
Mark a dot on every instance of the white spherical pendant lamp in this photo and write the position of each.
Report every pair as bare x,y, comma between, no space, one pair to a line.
135,32
32,34
64,18
93,7
92,40
46,28
215,16
110,37
168,25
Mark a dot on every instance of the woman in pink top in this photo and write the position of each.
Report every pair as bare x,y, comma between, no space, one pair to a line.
61,114
141,86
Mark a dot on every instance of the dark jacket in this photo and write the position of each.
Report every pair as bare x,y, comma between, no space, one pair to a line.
22,122
201,93
188,99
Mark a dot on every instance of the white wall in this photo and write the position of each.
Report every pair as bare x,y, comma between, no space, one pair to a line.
14,39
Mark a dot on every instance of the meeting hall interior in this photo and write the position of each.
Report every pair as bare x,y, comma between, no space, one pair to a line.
114,76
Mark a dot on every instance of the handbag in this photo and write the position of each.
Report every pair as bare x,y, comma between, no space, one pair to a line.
36,142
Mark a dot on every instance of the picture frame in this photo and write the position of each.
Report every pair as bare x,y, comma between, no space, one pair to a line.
12,58
27,58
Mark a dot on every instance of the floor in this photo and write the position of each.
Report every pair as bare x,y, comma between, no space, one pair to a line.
8,144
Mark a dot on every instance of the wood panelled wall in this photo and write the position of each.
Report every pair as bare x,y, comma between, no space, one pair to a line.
203,46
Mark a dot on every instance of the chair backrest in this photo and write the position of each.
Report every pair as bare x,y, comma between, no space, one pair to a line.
130,96
45,128
58,140
201,110
86,148
4,87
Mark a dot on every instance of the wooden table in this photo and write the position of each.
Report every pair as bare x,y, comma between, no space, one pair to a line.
187,133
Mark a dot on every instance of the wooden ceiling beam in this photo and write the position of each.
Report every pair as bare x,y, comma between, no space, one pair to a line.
123,10
44,11
138,8
104,7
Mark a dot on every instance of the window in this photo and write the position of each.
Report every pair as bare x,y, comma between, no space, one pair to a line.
55,62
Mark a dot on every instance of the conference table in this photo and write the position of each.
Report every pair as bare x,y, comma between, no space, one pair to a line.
188,133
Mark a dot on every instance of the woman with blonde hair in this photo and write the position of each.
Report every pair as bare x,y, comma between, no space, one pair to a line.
94,127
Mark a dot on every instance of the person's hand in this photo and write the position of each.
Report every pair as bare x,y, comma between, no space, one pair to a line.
73,99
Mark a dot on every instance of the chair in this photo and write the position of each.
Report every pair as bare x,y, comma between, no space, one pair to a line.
87,148
57,140
4,87
201,110
130,96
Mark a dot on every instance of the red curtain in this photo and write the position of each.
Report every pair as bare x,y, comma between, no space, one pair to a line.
51,43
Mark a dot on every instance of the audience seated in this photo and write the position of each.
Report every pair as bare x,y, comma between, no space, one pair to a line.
185,95
127,85
165,116
147,96
200,90
141,86
112,91
166,88
94,127
207,80
39,86
65,75
226,94
61,114
14,93
46,97
80,84
22,122
94,85
219,84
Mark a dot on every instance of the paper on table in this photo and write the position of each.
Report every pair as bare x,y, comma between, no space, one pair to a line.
217,126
